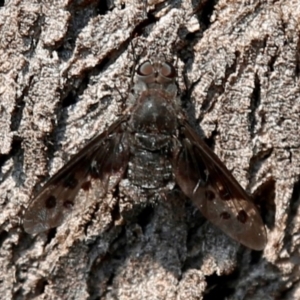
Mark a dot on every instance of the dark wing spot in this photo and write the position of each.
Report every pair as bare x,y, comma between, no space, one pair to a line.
71,182
225,215
242,216
86,185
50,202
68,204
209,195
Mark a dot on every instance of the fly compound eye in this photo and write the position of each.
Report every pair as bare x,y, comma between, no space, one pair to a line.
167,70
145,69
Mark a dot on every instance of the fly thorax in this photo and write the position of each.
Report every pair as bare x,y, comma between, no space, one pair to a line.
154,115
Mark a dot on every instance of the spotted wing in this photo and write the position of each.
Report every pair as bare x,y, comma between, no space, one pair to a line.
206,181
102,162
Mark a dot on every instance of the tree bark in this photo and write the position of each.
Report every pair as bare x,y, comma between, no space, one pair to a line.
66,68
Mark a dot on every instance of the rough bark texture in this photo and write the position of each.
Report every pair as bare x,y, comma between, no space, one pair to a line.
65,67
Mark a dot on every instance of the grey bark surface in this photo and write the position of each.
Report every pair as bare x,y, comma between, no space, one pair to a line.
65,68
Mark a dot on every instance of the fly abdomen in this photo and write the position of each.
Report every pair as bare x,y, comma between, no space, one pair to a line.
152,142
149,169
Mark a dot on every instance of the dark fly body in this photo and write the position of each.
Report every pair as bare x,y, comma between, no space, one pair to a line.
151,148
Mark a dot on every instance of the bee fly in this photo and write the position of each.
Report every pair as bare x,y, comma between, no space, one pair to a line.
152,147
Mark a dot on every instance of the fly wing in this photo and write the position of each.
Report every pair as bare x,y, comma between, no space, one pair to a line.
99,165
207,182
